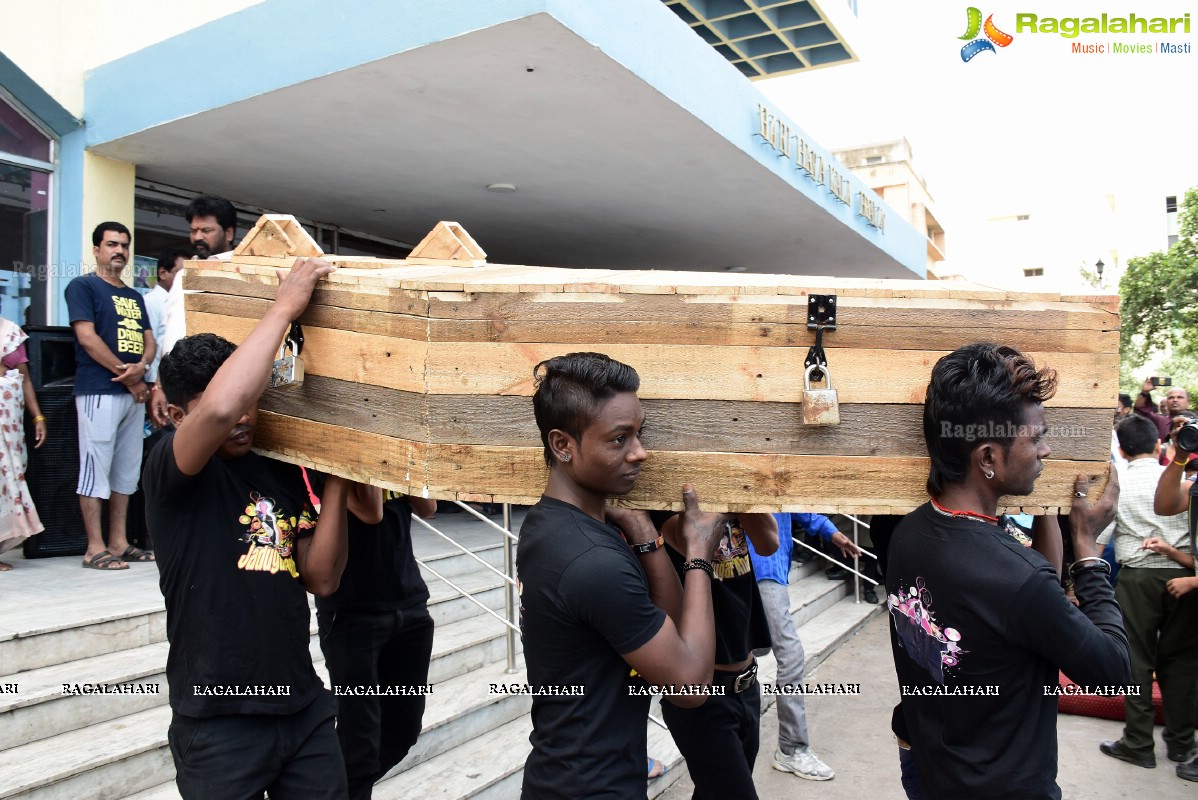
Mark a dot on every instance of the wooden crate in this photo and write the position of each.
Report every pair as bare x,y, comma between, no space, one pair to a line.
419,375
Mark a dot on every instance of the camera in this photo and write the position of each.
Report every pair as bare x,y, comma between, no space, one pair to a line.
1186,437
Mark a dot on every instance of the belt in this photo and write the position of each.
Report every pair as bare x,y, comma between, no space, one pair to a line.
737,681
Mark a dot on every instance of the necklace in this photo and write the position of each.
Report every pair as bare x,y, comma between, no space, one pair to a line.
949,512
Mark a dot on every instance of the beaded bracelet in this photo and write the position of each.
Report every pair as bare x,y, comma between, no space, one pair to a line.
698,563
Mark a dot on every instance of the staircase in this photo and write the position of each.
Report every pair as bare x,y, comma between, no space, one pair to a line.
63,627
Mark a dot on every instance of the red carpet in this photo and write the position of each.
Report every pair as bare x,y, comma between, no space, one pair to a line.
1092,705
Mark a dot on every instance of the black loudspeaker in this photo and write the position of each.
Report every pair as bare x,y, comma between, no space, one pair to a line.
53,474
53,469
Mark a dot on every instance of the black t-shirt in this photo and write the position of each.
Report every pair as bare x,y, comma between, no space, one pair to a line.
972,608
584,601
381,573
237,616
119,316
740,623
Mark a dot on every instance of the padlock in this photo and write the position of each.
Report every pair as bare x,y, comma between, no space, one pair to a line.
288,369
820,406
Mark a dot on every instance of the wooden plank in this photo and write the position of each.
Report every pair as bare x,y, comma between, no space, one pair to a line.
723,480
507,292
702,331
391,300
403,326
358,357
762,374
370,458
685,425
898,312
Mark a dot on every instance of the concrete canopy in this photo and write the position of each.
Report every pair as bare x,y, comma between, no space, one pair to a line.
609,171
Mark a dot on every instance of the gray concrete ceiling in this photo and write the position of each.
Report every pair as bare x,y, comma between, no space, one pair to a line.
610,173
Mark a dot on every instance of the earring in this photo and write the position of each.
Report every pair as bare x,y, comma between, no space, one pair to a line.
989,475
565,456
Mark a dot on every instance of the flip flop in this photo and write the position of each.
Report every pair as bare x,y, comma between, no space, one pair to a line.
136,554
101,560
653,765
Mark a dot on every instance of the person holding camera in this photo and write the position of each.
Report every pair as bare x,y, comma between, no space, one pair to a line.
1176,400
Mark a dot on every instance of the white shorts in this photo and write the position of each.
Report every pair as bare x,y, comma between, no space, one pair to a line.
111,428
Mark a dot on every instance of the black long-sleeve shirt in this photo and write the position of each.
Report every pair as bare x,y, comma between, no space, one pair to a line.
981,628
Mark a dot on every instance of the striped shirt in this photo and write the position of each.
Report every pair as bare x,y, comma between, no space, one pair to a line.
1135,520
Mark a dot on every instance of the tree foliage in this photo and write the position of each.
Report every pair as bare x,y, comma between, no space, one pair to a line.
1159,307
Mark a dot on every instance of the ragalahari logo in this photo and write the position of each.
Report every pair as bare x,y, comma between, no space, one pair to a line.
993,36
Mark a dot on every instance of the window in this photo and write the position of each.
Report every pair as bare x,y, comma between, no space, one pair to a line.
1034,272
26,170
1023,217
1171,205
873,160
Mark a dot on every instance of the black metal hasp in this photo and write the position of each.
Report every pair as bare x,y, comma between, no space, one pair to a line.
296,337
821,316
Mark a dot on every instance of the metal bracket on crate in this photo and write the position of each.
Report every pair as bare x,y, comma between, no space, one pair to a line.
821,316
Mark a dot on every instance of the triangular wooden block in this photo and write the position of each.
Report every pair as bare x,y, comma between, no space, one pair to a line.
448,244
278,236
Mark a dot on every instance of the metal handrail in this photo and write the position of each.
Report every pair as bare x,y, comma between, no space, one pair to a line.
510,602
467,595
425,523
506,530
822,554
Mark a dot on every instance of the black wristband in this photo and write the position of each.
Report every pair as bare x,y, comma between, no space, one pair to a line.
648,547
1094,566
698,563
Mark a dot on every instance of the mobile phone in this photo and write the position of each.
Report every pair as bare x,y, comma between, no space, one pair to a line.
1161,381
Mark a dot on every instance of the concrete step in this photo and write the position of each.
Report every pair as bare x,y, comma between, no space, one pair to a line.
459,709
42,708
479,768
454,562
37,707
813,595
105,761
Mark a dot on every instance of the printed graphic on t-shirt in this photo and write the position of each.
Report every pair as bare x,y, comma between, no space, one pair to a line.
731,558
130,337
923,639
271,536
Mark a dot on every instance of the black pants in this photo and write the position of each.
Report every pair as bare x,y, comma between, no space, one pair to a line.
383,649
719,741
237,757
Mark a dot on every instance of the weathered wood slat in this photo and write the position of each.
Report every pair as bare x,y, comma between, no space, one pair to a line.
728,481
761,374
985,326
720,426
358,357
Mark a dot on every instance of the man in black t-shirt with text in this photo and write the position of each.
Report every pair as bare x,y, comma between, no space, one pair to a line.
237,546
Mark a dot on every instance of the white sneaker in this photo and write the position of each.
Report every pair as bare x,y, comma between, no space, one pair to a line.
803,763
